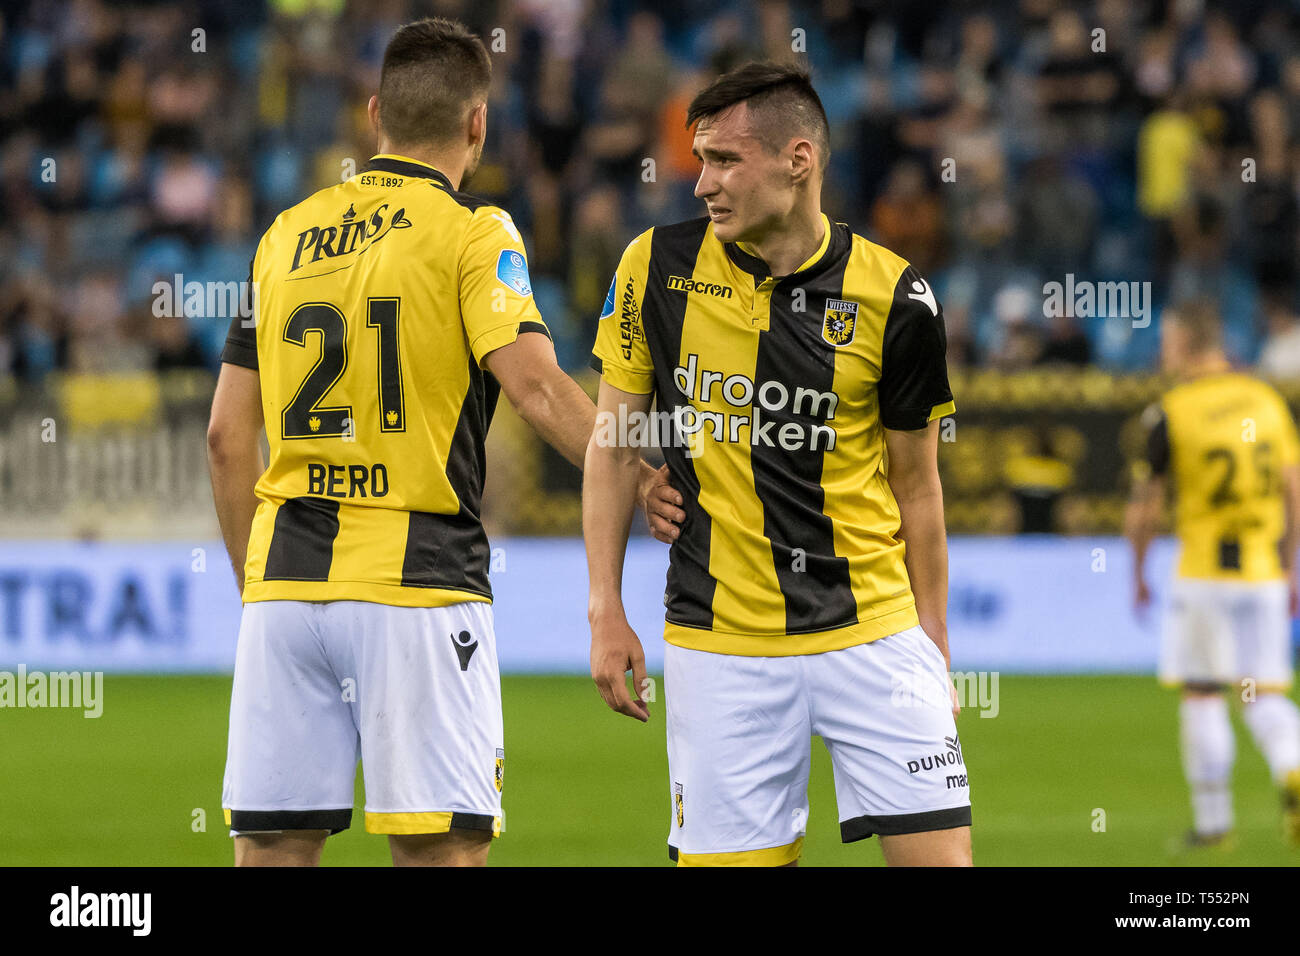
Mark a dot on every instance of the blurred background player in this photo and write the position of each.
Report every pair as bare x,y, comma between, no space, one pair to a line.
392,310
1226,443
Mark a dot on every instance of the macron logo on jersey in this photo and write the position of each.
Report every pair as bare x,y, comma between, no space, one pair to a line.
922,292
512,271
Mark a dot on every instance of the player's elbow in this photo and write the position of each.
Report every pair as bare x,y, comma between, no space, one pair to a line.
1139,521
538,398
227,442
911,485
606,453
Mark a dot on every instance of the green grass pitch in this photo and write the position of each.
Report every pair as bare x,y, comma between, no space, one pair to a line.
585,786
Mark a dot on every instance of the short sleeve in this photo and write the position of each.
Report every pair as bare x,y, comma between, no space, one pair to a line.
621,354
496,295
241,339
1158,454
913,388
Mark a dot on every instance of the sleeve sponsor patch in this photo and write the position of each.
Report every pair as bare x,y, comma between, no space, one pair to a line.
512,271
608,309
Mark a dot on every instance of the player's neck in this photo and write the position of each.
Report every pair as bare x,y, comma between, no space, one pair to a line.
793,243
1212,363
443,162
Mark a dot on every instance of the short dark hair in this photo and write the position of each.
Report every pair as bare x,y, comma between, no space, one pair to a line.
781,101
435,70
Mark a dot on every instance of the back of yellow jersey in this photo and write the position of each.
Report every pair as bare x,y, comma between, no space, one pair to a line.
1225,439
376,301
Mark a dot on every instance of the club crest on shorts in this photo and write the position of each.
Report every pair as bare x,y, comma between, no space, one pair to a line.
679,805
500,773
840,321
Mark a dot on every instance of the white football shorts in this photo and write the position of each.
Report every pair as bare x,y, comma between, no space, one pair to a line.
1227,632
412,692
740,747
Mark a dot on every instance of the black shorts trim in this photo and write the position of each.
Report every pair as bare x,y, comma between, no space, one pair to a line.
672,853
1203,686
251,821
472,821
896,824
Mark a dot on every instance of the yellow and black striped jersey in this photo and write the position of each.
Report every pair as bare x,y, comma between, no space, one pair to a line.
1224,440
376,301
776,391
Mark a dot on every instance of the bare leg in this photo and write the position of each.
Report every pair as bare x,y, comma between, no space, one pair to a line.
286,848
453,848
931,848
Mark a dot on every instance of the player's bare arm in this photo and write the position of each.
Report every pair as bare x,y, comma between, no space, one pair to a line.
609,490
235,458
914,480
1141,519
1291,536
562,414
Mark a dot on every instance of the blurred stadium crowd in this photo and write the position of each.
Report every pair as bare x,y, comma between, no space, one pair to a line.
142,141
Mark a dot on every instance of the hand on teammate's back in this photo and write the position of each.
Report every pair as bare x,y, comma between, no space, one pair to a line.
661,503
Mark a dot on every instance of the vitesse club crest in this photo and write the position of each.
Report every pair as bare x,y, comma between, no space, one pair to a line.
500,778
841,319
679,805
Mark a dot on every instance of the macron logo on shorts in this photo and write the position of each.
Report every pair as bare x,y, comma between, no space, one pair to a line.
466,644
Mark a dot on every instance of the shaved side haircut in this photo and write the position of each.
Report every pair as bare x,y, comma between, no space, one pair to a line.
782,103
435,71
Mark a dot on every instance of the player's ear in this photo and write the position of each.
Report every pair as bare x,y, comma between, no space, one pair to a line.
478,123
372,112
802,161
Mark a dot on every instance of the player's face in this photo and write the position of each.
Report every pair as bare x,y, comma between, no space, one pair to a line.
1174,347
746,187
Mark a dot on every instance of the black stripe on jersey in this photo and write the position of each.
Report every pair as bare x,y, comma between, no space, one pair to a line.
534,327
302,543
252,821
451,550
673,251
817,590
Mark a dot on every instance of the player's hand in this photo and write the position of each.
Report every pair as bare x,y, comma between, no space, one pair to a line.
956,701
1293,597
615,650
661,503
1141,598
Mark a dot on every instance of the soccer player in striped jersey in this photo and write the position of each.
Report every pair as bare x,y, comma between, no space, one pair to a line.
801,371
391,310
1226,442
